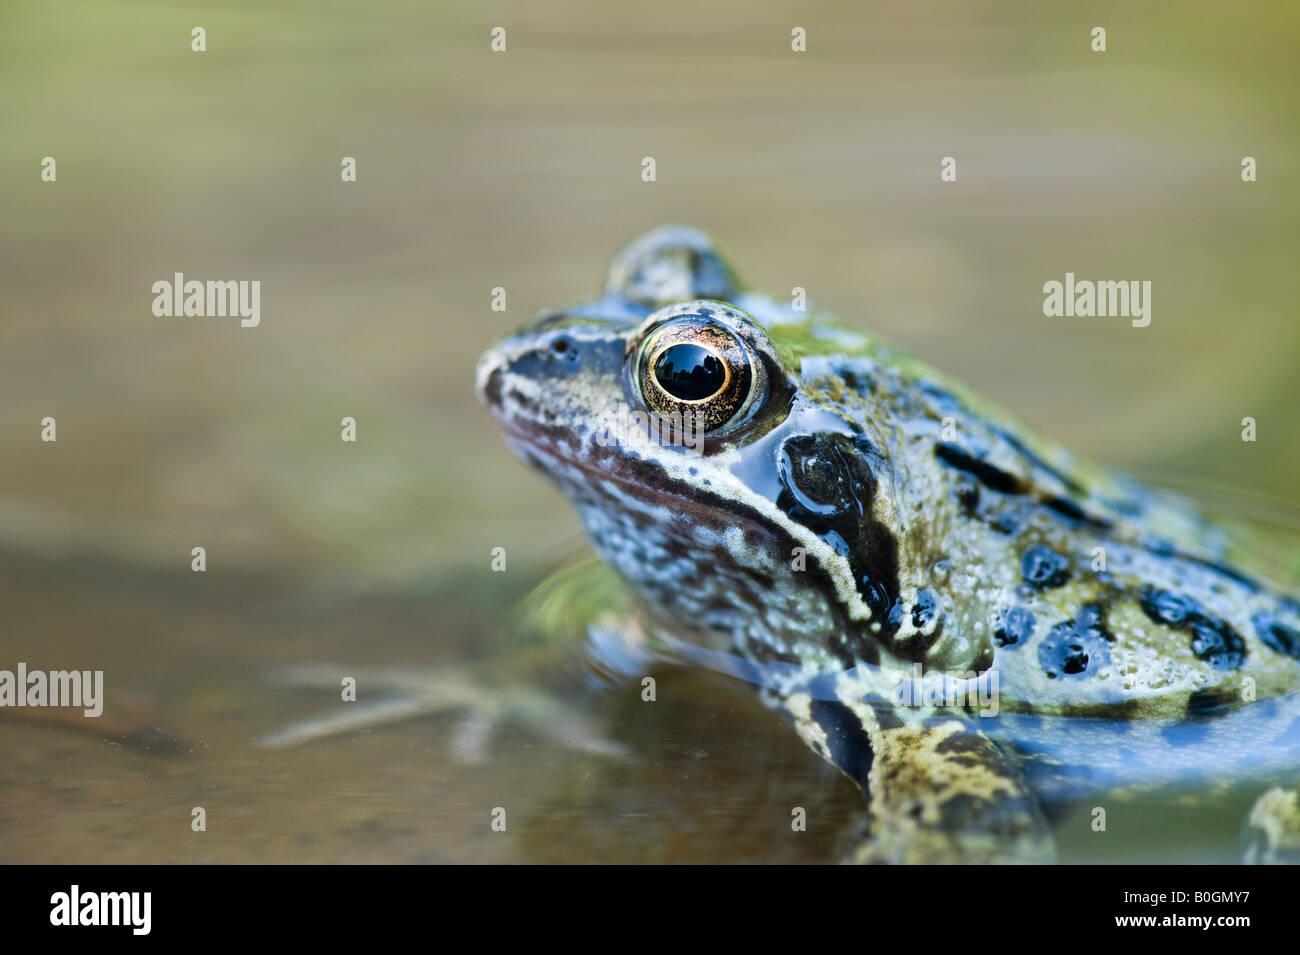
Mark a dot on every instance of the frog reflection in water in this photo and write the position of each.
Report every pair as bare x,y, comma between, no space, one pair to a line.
867,543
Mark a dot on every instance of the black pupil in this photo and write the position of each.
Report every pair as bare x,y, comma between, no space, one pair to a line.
689,372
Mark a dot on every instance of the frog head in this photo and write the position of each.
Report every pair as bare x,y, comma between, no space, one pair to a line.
715,447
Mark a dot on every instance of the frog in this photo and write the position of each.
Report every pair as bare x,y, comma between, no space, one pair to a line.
973,624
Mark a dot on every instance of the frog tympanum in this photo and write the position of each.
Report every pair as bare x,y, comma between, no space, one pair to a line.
964,618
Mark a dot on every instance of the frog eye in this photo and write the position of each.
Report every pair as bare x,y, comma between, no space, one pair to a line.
691,362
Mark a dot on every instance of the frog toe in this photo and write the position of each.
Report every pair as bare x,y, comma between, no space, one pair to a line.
414,692
1272,830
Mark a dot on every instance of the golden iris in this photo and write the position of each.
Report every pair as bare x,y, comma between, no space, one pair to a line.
694,366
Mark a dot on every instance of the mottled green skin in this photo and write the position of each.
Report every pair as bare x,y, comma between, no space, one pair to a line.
865,516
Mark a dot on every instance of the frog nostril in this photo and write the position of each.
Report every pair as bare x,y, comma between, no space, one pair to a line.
562,346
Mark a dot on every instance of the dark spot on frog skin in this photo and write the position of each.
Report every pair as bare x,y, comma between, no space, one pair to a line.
1276,635
854,379
1213,640
1012,626
1165,607
1210,701
827,486
887,718
846,740
925,613
965,743
1072,485
1043,568
1117,716
1073,646
988,475
1003,482
925,609
1066,508
821,480
1072,512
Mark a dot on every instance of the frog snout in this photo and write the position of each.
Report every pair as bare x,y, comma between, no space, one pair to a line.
487,379
524,362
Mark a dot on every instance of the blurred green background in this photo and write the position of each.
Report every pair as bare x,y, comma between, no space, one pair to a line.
522,170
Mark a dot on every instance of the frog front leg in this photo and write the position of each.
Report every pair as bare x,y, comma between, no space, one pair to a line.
938,789
395,694
574,612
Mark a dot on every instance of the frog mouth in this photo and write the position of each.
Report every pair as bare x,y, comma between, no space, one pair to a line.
556,458
588,480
